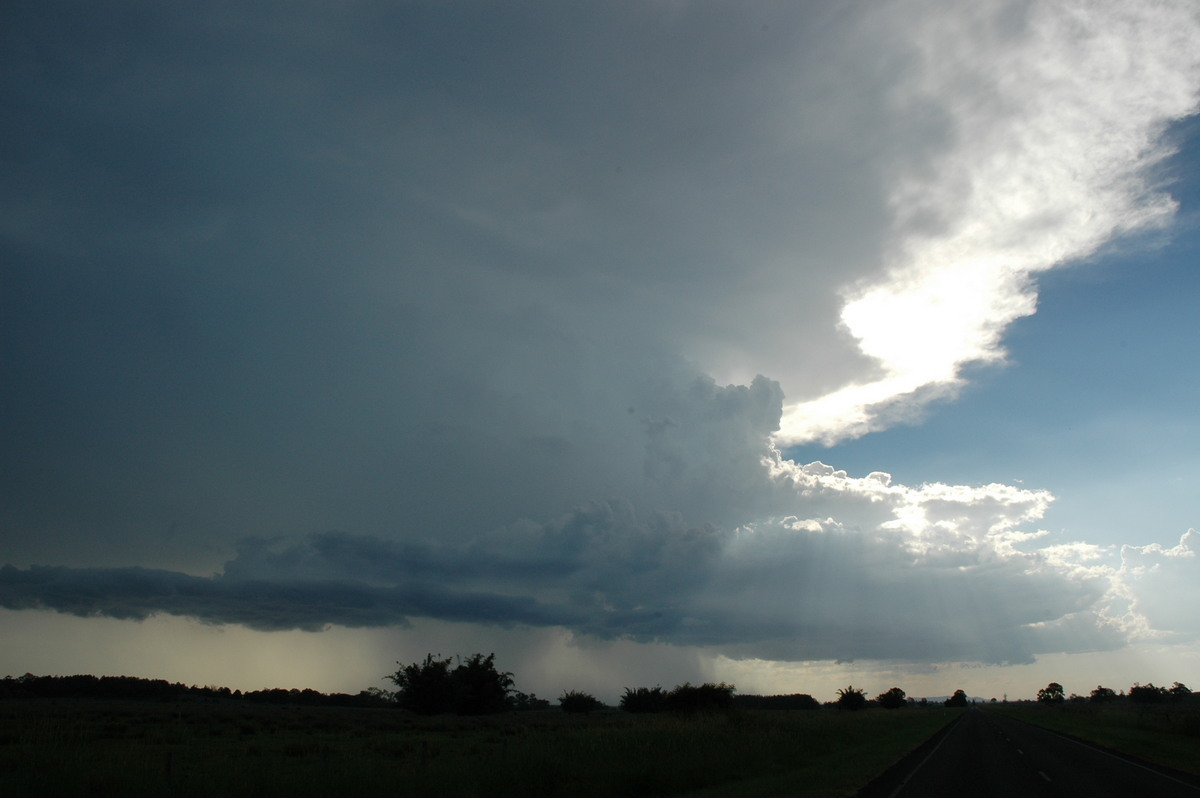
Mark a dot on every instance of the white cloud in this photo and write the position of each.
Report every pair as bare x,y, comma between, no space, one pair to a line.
1048,118
1161,587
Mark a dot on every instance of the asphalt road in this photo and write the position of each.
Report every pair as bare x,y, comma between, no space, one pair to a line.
987,754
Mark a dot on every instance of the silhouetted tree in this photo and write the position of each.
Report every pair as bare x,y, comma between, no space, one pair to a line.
426,687
474,687
707,697
527,702
138,689
574,701
850,698
892,699
959,699
1102,695
795,701
644,699
1051,694
1146,693
480,689
1178,691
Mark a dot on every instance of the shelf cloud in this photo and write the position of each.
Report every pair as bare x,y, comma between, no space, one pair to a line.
825,566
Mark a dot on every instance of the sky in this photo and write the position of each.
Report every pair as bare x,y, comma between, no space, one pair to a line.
790,345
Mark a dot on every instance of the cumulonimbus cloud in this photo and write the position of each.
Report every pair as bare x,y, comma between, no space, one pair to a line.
826,566
477,302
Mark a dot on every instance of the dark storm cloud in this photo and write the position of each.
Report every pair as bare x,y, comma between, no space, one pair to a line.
769,593
905,574
138,593
277,272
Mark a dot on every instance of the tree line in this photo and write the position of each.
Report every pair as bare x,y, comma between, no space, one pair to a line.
475,686
1054,694
139,689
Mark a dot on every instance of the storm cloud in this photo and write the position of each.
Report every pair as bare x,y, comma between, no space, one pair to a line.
870,570
503,314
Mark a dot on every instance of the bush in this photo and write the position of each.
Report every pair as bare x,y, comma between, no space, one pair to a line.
959,699
892,699
1051,694
425,688
794,701
851,699
574,701
479,688
644,699
708,697
1146,694
527,702
474,687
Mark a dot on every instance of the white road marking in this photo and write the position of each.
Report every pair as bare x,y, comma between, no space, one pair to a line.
896,791
1082,744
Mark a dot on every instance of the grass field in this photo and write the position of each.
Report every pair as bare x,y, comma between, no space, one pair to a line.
1167,733
80,747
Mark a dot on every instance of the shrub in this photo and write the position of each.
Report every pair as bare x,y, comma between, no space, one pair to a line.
425,688
474,687
708,697
959,699
892,699
851,699
575,701
1146,694
479,689
1051,694
644,699
527,702
800,701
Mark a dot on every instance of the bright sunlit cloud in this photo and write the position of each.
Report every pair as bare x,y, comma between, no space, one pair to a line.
1052,127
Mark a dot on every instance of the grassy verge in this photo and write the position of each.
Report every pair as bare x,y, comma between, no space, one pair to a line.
88,748
843,753
1166,734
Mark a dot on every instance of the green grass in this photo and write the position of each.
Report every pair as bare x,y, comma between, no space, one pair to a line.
1167,734
84,748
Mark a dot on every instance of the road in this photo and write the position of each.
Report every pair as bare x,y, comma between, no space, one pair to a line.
986,754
